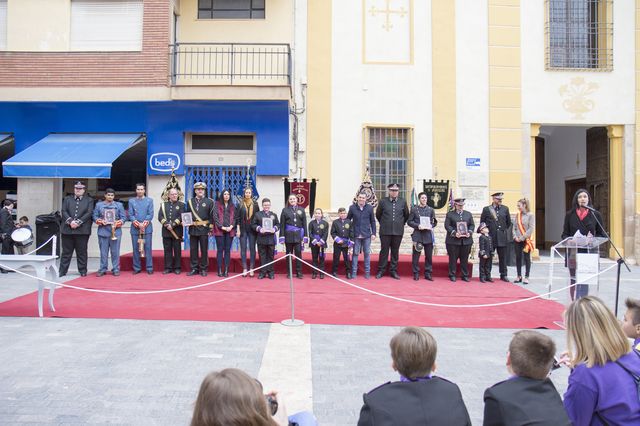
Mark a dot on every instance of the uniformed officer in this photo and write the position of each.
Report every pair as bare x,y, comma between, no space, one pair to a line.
265,238
141,215
170,216
293,231
459,240
109,234
422,236
498,219
201,208
76,228
343,236
392,213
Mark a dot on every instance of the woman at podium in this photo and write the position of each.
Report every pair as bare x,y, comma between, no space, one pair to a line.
583,218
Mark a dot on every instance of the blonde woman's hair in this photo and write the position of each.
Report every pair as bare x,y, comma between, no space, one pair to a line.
594,336
231,398
525,203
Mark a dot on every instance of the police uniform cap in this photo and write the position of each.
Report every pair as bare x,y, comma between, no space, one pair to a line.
459,200
393,187
498,195
200,185
79,185
481,227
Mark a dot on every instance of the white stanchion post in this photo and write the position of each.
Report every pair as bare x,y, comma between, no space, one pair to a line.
292,322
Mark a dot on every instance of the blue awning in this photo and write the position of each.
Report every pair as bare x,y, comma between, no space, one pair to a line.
71,155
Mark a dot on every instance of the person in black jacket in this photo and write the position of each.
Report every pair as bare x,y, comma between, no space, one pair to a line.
265,238
342,234
498,219
363,218
293,231
392,213
485,253
77,210
244,213
422,236
7,226
170,217
201,209
528,397
419,398
579,218
319,233
459,240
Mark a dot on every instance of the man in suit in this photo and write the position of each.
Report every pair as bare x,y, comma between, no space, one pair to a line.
201,208
170,217
7,226
419,398
77,210
293,231
529,396
498,219
392,213
363,218
422,236
459,240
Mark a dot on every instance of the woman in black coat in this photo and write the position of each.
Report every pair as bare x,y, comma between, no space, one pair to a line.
579,218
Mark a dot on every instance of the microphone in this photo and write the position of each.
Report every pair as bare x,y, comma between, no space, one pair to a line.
589,208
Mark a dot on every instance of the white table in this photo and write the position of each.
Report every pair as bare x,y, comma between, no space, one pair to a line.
41,264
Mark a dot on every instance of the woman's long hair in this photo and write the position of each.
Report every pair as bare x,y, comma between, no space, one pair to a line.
594,336
575,204
221,198
231,398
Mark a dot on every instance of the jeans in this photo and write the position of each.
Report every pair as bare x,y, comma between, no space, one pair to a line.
364,245
223,246
137,266
107,245
248,238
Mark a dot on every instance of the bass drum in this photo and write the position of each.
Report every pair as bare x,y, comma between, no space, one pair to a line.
22,237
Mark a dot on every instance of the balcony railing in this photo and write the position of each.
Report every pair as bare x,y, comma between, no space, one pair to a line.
246,64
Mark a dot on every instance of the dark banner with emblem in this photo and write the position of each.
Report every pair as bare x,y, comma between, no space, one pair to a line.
437,192
302,191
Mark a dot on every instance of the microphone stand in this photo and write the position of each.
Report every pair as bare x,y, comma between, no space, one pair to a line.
620,259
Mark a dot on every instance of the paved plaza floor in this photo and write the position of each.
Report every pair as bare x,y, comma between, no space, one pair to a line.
56,371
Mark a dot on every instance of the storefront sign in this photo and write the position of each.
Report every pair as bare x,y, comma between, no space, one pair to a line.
165,162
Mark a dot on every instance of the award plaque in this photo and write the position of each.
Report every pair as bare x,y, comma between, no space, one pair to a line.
267,224
425,222
109,216
461,228
187,219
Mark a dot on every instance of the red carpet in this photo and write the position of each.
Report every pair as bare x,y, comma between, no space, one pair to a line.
316,302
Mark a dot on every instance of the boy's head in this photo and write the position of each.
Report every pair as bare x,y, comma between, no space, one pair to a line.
342,212
631,321
24,220
413,351
483,228
531,354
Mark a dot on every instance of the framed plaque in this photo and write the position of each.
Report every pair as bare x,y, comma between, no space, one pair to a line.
267,224
187,219
425,222
461,228
109,216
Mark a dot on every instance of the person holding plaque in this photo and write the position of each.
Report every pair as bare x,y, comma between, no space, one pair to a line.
498,219
319,233
224,229
293,231
584,219
422,219
141,215
392,213
170,217
459,225
265,224
201,210
109,215
244,213
76,228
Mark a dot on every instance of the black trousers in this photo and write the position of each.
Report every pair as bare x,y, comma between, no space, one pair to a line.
460,252
337,252
199,242
428,260
316,259
389,243
296,249
485,267
520,254
71,243
502,261
172,254
265,252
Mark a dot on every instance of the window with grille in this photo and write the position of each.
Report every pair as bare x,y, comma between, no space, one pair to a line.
579,34
388,152
106,25
231,9
3,24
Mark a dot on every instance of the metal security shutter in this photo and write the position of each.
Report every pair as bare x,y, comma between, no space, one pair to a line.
3,24
106,25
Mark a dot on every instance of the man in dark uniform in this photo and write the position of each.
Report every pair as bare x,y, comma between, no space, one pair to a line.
342,234
201,208
293,231
498,219
77,210
459,240
7,226
170,216
422,236
265,239
392,213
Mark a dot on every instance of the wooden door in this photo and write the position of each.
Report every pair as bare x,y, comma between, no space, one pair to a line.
540,236
598,173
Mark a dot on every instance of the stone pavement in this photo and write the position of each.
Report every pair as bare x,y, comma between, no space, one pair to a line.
92,371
